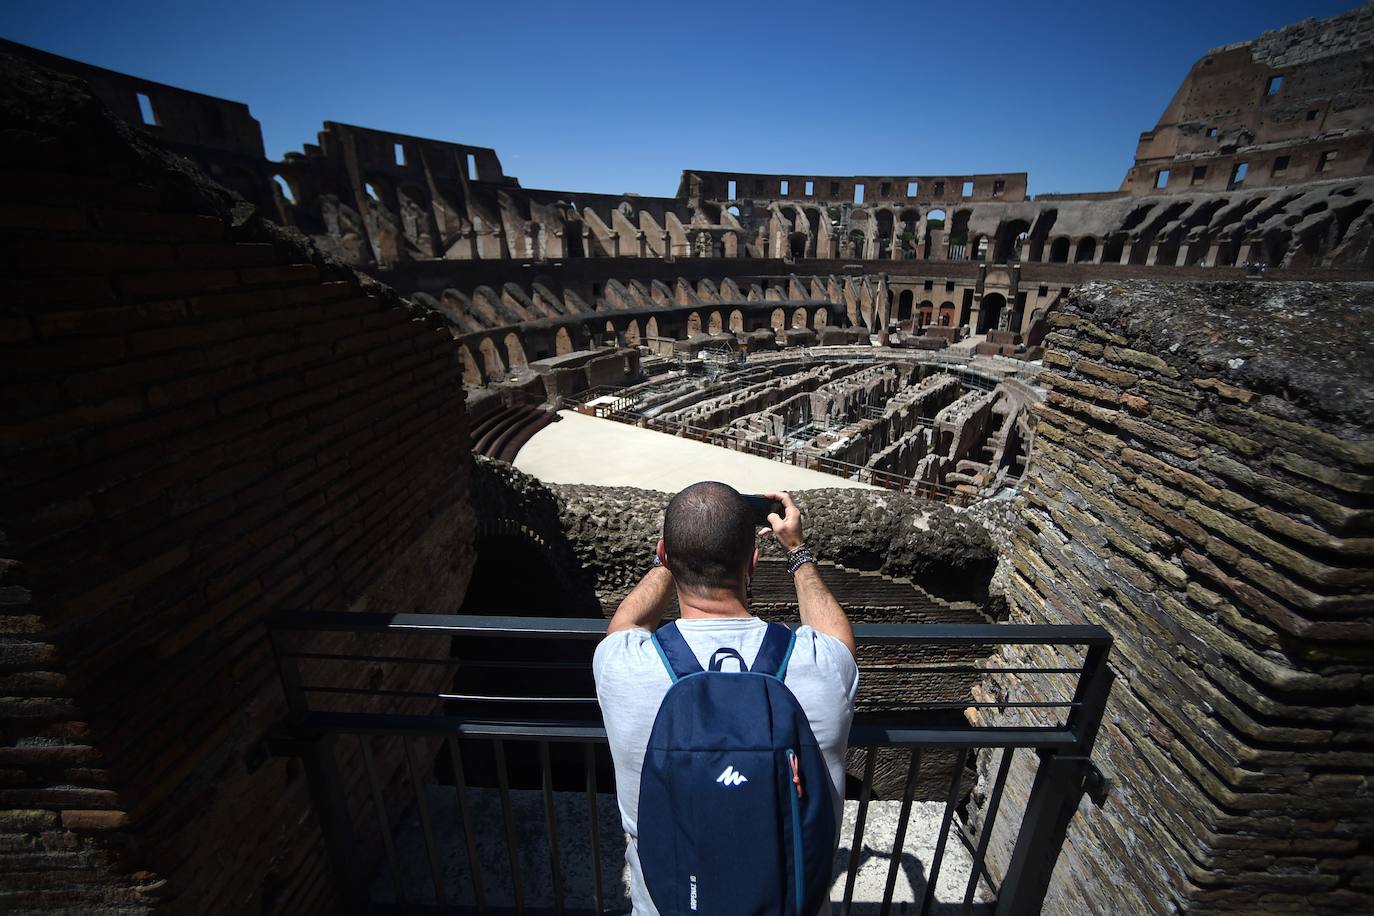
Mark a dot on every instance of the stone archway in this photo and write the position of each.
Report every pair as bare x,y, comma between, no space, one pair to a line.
693,324
779,320
799,318
737,321
990,312
562,343
714,325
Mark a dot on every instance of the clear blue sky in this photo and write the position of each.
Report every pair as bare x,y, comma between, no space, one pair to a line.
622,96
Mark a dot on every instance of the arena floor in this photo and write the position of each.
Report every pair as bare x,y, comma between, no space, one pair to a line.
583,449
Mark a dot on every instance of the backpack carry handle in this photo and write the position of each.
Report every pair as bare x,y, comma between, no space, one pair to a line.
681,662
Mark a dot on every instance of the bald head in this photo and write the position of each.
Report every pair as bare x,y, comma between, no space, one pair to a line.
708,536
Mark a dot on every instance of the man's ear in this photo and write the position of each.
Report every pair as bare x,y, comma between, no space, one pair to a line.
754,562
663,554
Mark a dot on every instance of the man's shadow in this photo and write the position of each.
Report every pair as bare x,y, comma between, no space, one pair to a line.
912,868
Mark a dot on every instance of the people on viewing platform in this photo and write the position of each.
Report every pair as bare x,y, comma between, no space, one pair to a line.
707,555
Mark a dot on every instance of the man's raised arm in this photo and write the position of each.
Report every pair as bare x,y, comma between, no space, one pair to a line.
819,609
645,604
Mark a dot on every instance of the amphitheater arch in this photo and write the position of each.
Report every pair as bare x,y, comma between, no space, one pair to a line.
693,324
924,312
612,335
779,320
562,343
947,312
714,324
905,302
515,351
820,318
1114,247
799,318
1086,251
1059,250
651,327
977,248
935,222
737,321
1011,241
491,358
632,336
990,312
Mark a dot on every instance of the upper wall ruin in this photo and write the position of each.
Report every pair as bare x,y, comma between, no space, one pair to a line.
1231,137
1292,106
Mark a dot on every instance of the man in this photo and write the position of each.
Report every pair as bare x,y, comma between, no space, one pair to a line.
707,554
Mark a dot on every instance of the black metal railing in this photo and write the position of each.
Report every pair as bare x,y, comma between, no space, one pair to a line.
344,683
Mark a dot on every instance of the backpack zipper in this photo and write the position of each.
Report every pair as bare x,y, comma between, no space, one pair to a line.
795,797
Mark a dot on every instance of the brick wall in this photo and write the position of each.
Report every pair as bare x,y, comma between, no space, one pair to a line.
203,421
1200,486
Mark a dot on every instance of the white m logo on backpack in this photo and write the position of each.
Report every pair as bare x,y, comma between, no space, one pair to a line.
731,777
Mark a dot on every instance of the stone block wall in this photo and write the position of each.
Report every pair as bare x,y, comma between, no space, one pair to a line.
204,422
1200,486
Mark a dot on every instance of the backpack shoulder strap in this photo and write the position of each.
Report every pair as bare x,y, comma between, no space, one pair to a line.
673,650
775,652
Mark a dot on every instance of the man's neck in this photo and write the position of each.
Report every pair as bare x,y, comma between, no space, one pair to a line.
713,606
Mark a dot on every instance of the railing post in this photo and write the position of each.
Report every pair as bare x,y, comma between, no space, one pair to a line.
1060,783
326,788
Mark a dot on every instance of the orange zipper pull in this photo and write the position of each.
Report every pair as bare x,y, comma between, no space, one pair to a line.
796,774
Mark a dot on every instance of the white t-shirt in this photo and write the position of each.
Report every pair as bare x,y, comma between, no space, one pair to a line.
631,683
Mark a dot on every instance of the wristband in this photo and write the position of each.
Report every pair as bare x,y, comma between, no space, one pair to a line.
798,557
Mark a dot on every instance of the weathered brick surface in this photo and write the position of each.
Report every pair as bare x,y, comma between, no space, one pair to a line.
1200,488
204,421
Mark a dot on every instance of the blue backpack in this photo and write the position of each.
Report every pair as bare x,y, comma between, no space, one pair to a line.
735,813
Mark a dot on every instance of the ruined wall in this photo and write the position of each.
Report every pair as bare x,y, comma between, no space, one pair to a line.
1200,486
204,422
1293,105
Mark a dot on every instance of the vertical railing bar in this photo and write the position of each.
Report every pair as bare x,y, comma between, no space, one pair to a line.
860,818
986,833
426,827
383,820
899,841
465,815
503,782
935,860
593,820
551,824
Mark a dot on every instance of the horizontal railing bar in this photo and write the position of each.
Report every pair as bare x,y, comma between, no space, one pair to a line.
595,628
493,698
448,662
969,736
860,734
408,659
582,666
965,669
467,697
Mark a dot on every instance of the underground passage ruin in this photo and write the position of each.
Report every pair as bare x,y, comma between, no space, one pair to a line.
228,397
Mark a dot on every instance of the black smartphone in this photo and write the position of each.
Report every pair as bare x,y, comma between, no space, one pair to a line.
761,506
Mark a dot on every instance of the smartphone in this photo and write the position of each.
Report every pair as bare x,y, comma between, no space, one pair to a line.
761,506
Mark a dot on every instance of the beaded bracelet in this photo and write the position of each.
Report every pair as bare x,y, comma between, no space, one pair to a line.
798,557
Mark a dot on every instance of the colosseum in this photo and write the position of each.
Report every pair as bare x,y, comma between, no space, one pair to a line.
322,475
